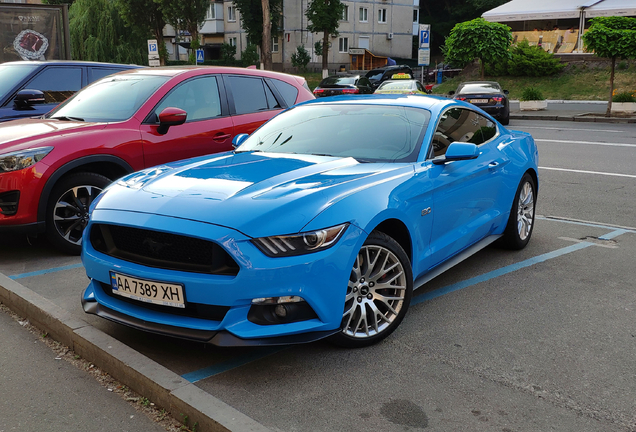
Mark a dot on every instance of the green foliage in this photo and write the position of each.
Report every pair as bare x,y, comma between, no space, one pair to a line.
185,15
612,37
249,57
98,33
531,94
252,18
624,97
477,39
318,47
300,58
147,17
527,60
228,53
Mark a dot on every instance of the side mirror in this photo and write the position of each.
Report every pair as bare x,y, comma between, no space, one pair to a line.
506,92
171,116
239,139
458,151
26,98
452,92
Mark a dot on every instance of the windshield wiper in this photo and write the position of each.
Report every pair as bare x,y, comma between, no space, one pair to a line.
67,118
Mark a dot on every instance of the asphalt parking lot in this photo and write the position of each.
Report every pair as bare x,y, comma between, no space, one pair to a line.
535,340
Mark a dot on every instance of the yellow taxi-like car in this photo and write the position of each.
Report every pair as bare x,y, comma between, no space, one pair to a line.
401,83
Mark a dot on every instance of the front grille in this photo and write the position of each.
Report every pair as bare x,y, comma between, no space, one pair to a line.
9,202
162,250
192,310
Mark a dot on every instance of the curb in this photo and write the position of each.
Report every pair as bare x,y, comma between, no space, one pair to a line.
143,375
582,119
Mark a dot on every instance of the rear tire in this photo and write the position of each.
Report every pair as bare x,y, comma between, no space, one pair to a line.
378,294
67,209
521,221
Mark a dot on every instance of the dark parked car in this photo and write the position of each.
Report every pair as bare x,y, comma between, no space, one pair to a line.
32,88
52,168
379,75
340,85
487,95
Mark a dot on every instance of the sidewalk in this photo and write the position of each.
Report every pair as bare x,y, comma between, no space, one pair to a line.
579,111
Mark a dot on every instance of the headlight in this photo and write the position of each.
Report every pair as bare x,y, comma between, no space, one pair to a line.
22,159
300,244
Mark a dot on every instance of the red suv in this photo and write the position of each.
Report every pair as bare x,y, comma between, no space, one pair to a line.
51,168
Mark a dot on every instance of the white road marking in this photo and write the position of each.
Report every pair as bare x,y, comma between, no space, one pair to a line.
574,129
585,142
589,172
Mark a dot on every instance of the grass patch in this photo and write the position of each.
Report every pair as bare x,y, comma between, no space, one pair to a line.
576,82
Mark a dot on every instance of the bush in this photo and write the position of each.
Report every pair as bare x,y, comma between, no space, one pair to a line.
228,53
300,58
531,94
249,57
624,96
526,60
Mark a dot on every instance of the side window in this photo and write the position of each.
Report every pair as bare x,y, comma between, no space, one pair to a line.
459,124
251,95
99,73
420,87
199,97
287,91
57,83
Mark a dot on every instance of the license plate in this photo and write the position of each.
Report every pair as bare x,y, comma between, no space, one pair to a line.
161,293
476,101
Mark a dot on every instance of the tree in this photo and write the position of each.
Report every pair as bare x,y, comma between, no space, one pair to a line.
186,15
147,16
98,33
256,24
477,39
324,16
444,15
612,37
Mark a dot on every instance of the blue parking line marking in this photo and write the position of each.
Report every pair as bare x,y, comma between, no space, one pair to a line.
614,234
499,272
45,271
227,365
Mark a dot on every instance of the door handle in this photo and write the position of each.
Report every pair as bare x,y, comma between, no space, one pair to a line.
493,165
221,136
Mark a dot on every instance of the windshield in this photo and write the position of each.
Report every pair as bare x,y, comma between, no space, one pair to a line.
11,75
479,88
368,133
375,75
110,99
339,81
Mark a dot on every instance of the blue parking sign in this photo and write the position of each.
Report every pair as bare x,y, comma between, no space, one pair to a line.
199,56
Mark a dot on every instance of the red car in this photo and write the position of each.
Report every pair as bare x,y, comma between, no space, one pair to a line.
52,167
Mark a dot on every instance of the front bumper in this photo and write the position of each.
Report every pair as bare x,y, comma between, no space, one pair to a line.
320,279
29,182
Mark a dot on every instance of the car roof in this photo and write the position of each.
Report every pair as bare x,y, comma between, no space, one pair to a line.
429,102
69,63
172,71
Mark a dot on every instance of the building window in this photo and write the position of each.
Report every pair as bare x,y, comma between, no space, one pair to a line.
275,44
343,45
231,13
211,14
382,16
345,13
416,14
364,14
232,41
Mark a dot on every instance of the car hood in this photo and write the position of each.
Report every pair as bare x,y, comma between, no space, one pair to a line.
20,134
258,194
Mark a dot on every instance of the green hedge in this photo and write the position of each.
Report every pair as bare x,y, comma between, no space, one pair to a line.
526,60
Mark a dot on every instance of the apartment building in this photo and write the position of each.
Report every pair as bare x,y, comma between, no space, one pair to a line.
384,27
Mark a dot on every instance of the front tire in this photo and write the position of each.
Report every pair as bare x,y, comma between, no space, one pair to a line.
378,294
67,209
521,220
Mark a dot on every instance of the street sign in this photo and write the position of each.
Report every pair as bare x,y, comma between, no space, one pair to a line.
153,63
425,35
423,57
153,49
199,56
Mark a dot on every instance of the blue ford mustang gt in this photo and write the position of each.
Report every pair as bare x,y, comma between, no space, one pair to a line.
319,224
